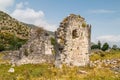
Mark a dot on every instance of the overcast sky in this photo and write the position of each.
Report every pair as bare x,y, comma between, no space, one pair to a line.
103,15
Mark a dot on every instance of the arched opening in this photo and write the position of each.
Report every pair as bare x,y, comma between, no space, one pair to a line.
74,34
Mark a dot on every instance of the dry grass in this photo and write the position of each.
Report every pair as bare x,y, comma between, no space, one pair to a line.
113,54
49,72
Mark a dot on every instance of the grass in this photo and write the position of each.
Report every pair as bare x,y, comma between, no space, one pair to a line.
113,54
102,74
3,61
49,72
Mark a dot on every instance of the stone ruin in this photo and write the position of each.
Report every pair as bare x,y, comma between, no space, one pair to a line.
72,45
73,42
37,50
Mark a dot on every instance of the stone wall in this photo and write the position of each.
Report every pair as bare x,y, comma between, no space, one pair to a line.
72,45
73,42
37,50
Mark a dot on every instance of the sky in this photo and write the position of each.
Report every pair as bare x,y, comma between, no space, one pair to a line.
103,15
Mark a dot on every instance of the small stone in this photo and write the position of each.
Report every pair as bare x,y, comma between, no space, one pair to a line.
11,70
82,72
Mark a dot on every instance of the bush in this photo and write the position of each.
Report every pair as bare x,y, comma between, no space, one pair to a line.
10,41
95,47
115,47
2,48
102,54
105,47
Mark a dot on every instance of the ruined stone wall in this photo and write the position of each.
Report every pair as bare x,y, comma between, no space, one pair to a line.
72,45
73,42
37,50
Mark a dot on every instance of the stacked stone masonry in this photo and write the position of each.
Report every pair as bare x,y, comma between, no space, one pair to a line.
73,42
37,50
72,45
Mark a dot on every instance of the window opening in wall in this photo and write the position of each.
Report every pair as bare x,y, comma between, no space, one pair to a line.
74,34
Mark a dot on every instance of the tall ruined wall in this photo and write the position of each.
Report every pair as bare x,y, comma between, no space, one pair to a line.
73,42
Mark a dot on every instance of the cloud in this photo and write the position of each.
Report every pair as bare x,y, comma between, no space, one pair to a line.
109,38
5,4
30,16
101,11
27,15
21,5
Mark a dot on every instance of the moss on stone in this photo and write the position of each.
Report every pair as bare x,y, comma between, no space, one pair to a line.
84,24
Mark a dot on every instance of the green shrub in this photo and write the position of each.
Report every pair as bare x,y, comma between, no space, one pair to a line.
52,41
94,46
10,41
105,46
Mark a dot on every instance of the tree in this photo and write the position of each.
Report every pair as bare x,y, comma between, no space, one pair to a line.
99,45
105,46
94,46
114,47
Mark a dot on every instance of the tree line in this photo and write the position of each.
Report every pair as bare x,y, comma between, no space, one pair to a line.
105,46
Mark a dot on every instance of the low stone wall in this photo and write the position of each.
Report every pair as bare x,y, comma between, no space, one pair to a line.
37,50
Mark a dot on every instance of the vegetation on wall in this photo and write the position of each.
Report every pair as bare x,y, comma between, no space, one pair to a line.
53,41
84,24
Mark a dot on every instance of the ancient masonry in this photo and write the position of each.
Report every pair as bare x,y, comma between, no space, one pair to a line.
72,45
73,42
37,50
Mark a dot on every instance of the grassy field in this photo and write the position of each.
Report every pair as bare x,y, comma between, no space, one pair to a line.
113,54
49,72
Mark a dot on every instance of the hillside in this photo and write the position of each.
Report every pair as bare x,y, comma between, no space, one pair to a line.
12,32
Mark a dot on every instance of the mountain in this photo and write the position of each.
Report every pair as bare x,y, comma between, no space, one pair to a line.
12,32
12,26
